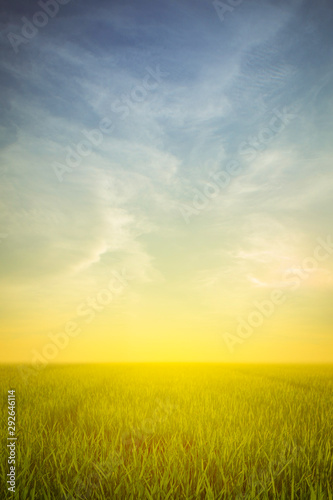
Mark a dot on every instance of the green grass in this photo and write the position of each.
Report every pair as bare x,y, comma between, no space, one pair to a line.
171,431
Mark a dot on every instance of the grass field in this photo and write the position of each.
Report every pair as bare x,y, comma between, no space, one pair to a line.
171,431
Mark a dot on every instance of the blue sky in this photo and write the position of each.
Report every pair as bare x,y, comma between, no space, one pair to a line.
222,84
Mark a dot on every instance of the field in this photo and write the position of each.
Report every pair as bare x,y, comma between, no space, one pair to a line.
171,431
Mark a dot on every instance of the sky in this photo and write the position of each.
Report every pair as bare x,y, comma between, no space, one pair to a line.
166,181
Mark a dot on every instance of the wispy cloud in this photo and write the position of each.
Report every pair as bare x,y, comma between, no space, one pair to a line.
119,206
